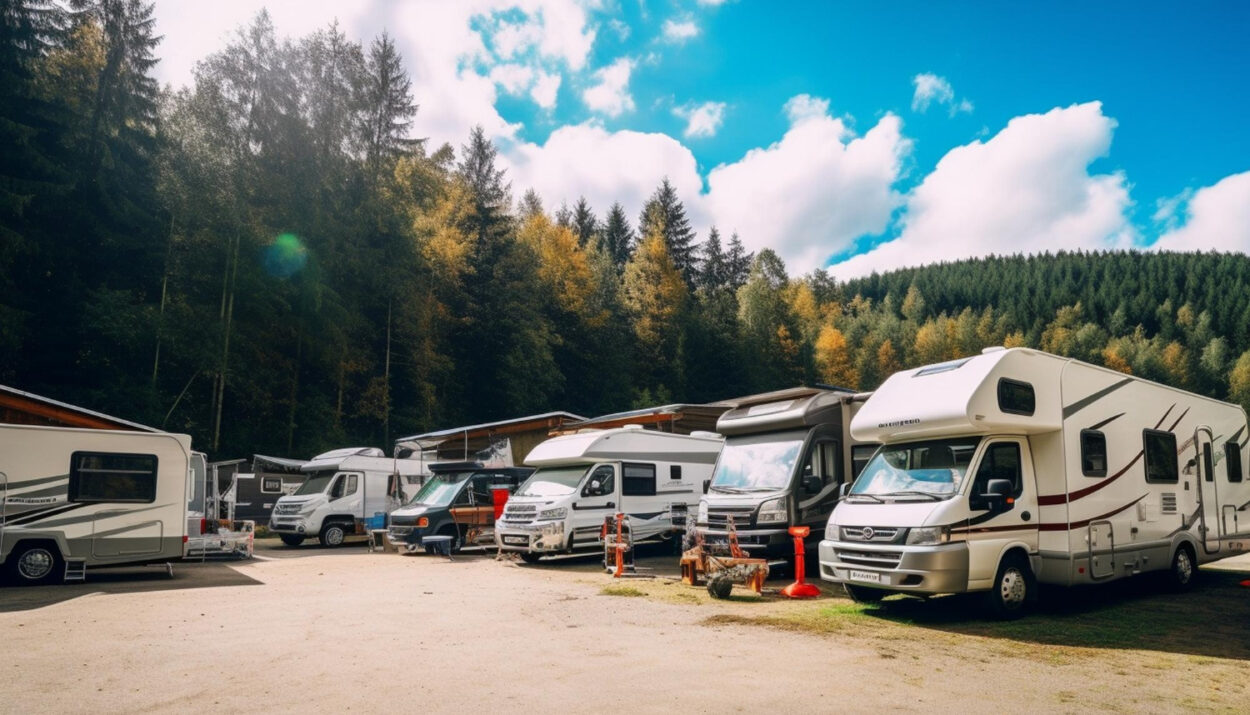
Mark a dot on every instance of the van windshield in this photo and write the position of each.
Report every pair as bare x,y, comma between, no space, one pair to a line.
757,463
933,469
553,482
440,489
315,484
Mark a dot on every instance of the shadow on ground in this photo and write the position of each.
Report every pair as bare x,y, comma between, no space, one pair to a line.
130,579
1212,619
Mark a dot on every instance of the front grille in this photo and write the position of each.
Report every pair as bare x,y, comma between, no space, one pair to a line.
874,559
400,531
718,517
872,534
520,513
286,509
1168,503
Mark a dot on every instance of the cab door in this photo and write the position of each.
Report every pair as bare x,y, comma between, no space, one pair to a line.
1208,499
992,528
345,494
598,498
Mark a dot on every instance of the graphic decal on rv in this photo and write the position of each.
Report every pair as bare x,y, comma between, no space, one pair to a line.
993,529
30,518
1187,523
14,486
1065,526
1084,402
1106,422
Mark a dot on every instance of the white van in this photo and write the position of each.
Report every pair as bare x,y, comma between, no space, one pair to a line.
1017,467
343,486
654,477
73,498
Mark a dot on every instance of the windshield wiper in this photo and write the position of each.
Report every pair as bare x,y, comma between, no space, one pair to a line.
726,490
873,497
915,492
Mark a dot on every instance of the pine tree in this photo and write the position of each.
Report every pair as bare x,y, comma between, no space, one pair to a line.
618,237
664,214
713,267
388,108
738,262
585,225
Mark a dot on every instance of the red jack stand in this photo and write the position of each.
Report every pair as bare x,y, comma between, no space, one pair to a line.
800,589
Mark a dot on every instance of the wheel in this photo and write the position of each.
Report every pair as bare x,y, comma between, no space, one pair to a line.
864,594
530,558
37,564
1014,588
719,586
332,535
291,539
1181,574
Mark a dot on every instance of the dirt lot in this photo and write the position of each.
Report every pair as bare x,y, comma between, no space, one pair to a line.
317,630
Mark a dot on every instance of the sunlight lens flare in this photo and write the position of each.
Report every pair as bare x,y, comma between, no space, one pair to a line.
286,256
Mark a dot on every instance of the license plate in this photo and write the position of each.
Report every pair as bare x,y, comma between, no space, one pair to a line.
515,540
869,576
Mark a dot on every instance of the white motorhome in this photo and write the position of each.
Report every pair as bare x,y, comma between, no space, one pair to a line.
1017,467
73,498
786,455
654,477
343,487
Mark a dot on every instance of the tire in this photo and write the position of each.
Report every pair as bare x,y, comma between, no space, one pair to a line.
291,539
719,587
864,594
37,564
529,557
1183,569
456,538
1014,589
332,535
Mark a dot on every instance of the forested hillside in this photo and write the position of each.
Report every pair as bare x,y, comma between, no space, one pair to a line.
270,261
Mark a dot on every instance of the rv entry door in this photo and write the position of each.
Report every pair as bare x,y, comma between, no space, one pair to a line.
1208,502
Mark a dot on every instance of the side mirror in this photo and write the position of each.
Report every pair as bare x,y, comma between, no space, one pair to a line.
843,490
812,484
707,484
997,494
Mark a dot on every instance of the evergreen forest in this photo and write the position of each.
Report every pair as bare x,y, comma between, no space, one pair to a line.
272,261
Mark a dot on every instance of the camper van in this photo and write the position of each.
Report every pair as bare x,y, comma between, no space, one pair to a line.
460,500
1016,467
654,477
73,498
786,455
343,487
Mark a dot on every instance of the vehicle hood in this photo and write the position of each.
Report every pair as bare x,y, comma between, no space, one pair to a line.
723,499
415,510
905,514
301,500
540,501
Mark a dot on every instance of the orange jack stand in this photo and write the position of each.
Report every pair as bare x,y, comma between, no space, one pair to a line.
800,589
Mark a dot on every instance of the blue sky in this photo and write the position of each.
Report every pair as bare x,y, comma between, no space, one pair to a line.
860,136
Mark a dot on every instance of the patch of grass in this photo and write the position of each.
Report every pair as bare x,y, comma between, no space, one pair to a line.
835,618
625,591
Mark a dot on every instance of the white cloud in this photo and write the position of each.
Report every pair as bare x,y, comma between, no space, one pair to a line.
610,95
1217,218
546,87
931,88
680,31
514,79
712,3
805,106
1026,190
702,120
620,27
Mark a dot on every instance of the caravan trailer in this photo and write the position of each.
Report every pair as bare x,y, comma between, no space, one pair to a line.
1017,467
786,455
73,498
654,477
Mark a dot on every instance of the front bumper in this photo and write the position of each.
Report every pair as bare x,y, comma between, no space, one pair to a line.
289,525
942,568
754,541
535,538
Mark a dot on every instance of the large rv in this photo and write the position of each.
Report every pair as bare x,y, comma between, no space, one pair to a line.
654,477
343,487
786,455
74,498
1017,467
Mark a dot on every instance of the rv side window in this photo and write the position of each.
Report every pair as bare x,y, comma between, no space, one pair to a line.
1016,397
1232,457
1093,453
860,454
674,471
1160,449
103,477
1001,461
638,480
1208,463
350,487
270,485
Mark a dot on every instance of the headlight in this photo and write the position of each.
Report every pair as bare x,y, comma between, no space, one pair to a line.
702,516
831,530
773,511
557,513
928,535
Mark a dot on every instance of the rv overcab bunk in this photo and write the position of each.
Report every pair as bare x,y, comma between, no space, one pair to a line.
1017,467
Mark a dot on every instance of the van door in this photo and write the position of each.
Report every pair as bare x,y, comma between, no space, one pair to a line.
599,498
346,496
1208,499
990,531
816,492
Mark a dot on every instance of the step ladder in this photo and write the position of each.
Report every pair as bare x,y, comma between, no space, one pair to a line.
75,570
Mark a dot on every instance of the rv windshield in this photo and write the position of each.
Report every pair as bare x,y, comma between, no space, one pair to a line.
315,484
757,463
440,489
928,470
553,482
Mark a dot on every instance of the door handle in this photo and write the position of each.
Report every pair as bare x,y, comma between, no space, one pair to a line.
611,505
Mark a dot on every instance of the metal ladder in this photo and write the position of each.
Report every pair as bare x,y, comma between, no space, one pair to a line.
75,570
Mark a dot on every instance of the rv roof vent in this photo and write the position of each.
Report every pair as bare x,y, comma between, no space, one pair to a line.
706,435
631,426
993,349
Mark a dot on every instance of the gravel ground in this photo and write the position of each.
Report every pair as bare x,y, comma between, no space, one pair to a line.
319,630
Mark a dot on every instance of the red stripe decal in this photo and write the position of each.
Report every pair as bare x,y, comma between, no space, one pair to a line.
1053,499
1085,522
987,529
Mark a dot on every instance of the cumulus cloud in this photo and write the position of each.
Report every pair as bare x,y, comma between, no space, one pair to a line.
1026,190
931,88
1217,218
546,87
514,79
680,31
610,94
702,120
